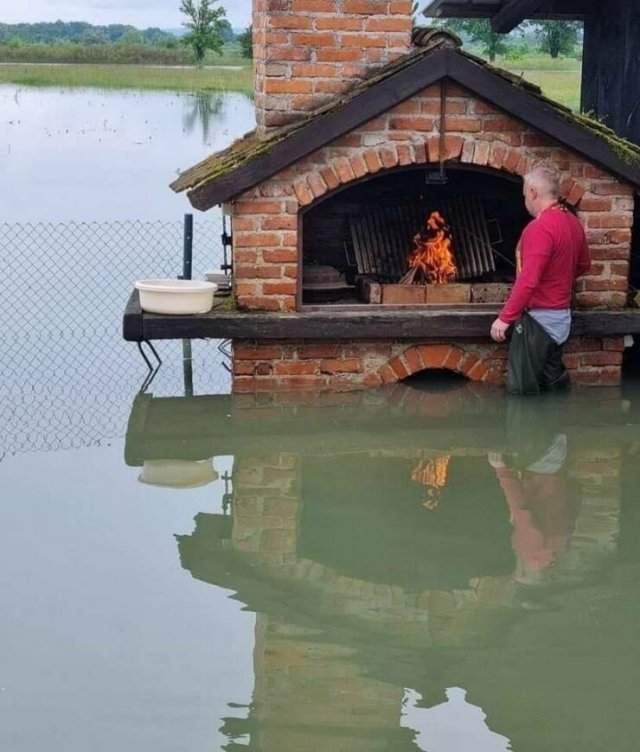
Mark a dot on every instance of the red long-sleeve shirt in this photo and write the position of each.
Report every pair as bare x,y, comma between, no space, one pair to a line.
554,253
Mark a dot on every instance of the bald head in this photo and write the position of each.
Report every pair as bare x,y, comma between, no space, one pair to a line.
541,188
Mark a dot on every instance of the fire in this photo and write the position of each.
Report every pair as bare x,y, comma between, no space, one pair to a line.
432,261
433,474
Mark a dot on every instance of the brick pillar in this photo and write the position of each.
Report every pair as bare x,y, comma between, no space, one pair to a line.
307,51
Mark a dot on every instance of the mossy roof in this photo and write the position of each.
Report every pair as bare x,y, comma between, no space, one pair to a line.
427,41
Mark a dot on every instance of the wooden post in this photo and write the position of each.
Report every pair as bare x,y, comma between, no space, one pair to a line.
187,250
611,66
187,268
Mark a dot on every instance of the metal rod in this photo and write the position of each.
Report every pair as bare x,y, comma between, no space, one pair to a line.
187,367
443,125
154,351
144,355
187,252
227,241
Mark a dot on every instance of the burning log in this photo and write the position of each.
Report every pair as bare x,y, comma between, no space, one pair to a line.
432,261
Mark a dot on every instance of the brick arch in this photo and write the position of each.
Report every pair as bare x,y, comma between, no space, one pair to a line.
498,156
485,364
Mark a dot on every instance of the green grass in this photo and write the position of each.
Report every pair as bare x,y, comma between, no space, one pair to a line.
129,77
559,79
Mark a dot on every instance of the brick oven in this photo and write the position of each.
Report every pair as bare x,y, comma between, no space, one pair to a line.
375,145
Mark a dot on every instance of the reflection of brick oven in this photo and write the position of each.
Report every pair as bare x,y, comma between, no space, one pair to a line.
310,688
362,135
317,618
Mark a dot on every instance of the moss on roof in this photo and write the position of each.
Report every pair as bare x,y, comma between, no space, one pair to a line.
251,146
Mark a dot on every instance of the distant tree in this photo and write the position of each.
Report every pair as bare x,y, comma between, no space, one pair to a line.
246,42
557,37
131,36
203,24
480,32
226,31
92,36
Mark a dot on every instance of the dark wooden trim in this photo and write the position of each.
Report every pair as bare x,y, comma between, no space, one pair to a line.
567,10
512,13
397,88
537,113
461,9
322,130
132,319
408,323
300,264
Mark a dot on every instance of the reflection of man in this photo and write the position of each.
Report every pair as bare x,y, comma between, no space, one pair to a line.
452,726
553,252
540,507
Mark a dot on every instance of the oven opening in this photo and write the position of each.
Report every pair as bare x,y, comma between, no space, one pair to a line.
410,238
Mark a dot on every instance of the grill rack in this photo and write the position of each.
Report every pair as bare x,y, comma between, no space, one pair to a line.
382,238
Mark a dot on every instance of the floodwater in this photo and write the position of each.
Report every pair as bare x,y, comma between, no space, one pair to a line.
414,568
92,155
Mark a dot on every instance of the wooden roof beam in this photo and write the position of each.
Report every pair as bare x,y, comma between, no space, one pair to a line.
514,13
567,10
460,9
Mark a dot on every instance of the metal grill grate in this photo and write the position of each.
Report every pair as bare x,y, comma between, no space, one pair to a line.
382,239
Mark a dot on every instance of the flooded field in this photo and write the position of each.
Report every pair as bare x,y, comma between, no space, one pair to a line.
418,567
429,566
92,155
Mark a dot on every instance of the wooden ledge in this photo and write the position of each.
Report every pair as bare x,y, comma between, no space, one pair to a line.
356,323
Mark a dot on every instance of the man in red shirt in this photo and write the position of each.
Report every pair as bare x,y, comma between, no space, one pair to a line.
553,252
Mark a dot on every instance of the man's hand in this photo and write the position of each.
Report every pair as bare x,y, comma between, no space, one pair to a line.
499,330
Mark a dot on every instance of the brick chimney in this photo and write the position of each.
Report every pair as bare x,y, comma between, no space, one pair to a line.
307,51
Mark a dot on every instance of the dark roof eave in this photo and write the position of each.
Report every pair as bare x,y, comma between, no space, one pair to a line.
498,10
387,93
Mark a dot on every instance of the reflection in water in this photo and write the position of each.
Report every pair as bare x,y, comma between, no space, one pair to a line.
203,108
452,725
362,586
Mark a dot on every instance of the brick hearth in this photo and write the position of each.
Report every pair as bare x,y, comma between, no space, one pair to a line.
262,367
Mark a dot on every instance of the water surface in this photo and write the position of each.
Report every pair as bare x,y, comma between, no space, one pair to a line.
88,154
401,569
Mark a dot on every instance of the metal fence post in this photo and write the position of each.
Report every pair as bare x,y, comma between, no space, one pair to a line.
187,252
187,271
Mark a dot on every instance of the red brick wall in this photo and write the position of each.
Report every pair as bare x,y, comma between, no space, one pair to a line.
307,51
265,218
282,366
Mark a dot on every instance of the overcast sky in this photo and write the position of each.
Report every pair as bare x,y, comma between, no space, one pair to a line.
140,13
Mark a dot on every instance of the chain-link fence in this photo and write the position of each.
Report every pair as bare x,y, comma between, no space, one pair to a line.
66,376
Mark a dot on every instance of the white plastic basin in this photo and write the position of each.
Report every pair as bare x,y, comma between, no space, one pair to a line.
178,473
176,296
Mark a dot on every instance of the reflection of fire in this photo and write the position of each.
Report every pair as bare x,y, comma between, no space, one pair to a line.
433,474
432,259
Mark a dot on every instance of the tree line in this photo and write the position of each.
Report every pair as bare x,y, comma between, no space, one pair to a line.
82,33
208,30
554,38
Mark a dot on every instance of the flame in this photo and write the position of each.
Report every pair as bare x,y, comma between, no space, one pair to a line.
433,255
433,474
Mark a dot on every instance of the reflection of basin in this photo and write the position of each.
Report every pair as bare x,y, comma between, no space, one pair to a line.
175,296
178,473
